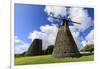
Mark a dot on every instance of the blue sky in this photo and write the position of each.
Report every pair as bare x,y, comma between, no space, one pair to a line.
29,18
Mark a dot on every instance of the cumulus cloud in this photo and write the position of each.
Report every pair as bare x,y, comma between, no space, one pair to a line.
17,40
47,34
80,15
84,43
76,14
76,36
55,11
20,46
90,37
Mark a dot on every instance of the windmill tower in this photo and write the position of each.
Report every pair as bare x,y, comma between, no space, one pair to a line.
35,48
65,45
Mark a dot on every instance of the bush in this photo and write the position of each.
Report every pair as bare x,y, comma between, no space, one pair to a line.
49,50
89,48
20,55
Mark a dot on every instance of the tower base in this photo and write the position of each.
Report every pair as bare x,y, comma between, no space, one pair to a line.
67,55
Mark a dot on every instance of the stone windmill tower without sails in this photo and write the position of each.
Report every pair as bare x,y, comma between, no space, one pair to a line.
35,48
65,45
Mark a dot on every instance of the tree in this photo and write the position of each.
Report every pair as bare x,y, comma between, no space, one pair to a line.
50,49
89,48
44,52
21,54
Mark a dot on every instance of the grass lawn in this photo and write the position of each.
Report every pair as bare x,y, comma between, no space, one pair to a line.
45,59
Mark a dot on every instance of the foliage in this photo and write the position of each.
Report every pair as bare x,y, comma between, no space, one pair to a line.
49,50
89,48
20,55
44,52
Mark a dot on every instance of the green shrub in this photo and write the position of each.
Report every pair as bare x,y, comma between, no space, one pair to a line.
20,55
49,50
89,48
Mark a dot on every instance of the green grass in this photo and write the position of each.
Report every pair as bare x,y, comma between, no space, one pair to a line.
49,59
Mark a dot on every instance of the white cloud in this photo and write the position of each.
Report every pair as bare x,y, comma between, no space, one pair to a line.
56,10
75,35
84,43
76,14
47,34
80,15
20,46
17,40
90,37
